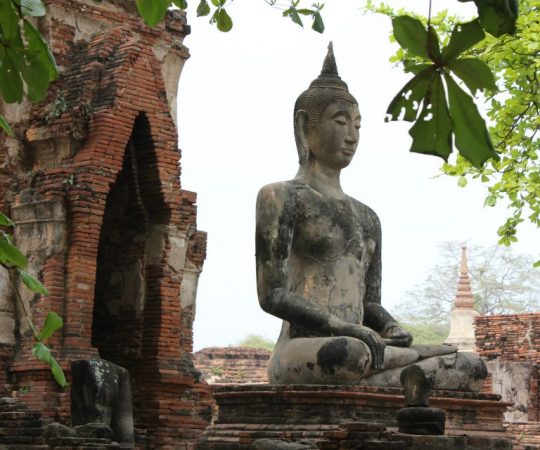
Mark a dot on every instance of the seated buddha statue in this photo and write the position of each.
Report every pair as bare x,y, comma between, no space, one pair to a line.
318,255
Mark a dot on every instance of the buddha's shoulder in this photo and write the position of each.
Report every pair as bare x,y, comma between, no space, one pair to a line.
365,211
280,191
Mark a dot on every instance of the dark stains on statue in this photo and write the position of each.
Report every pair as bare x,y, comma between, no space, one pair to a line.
479,372
332,354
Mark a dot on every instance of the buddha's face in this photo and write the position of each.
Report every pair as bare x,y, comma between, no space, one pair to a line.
334,140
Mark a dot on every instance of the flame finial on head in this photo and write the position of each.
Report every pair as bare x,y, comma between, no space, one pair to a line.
329,77
329,65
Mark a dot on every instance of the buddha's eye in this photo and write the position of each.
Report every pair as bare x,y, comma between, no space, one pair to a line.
357,126
340,121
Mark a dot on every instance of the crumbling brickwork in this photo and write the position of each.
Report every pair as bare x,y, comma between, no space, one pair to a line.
512,343
92,180
230,365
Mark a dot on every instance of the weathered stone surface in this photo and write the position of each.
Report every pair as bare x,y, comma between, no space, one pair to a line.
421,420
435,442
416,386
346,417
92,178
512,380
511,346
278,444
427,351
456,371
101,394
318,254
225,365
94,430
7,328
416,417
309,404
57,430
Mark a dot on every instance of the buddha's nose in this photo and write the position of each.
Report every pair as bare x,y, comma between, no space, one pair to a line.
351,138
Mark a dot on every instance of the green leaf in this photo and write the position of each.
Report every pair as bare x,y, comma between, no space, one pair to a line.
432,132
223,21
433,48
474,73
38,49
411,35
409,97
11,255
472,138
36,78
293,14
34,8
536,264
491,200
152,11
417,68
462,181
318,24
9,20
5,126
52,323
11,86
464,36
182,4
6,221
216,3
498,17
43,353
32,283
57,372
203,9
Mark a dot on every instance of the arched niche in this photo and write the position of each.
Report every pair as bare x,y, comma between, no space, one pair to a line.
123,288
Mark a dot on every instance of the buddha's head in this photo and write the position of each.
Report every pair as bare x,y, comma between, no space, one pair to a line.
309,109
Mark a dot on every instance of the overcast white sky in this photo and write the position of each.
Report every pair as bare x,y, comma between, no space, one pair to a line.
235,103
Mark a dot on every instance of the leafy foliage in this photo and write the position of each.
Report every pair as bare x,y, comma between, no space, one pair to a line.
502,283
295,13
497,16
256,341
514,113
423,100
27,65
153,12
14,261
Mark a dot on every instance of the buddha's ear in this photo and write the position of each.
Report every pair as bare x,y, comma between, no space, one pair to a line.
301,135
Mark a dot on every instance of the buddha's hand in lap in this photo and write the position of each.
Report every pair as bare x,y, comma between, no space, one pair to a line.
372,339
396,336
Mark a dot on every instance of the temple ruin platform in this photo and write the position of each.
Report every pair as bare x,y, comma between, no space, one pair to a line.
348,417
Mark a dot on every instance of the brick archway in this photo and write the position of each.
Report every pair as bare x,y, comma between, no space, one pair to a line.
130,70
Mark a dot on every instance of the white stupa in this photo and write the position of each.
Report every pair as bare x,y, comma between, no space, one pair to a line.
463,314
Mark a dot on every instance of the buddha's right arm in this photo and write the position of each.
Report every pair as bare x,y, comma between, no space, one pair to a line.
273,242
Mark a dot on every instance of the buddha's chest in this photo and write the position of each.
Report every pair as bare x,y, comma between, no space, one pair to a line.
330,229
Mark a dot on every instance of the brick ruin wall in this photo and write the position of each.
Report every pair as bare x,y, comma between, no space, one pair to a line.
92,180
232,365
511,346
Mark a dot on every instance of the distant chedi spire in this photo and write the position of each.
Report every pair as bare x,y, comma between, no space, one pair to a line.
463,314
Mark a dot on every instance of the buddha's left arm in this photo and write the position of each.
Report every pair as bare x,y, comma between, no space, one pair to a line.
376,316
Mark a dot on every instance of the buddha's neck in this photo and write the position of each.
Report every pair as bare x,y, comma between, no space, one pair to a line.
323,179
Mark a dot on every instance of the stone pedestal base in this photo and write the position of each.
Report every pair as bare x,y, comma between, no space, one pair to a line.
421,420
340,417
